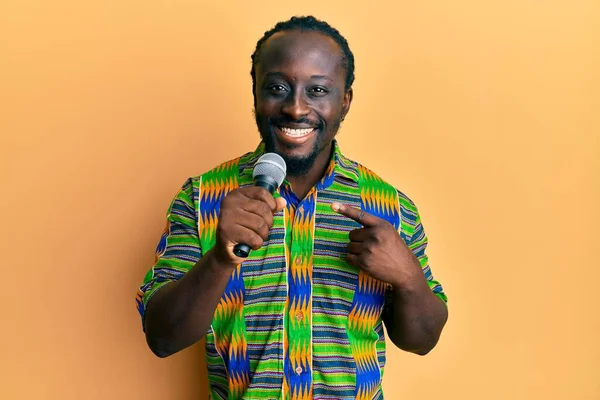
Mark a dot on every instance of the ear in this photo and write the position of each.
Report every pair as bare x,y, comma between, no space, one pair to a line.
347,102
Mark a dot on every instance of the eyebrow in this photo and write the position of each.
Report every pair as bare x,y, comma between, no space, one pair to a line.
282,75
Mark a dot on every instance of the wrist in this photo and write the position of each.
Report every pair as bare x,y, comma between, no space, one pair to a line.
220,264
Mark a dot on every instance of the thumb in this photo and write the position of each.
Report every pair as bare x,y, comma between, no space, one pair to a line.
281,203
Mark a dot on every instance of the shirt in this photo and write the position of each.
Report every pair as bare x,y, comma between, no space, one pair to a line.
295,321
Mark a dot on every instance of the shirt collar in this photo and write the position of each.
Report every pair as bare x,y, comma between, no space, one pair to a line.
340,166
343,166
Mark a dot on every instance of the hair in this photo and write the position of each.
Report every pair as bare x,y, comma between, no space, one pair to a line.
308,23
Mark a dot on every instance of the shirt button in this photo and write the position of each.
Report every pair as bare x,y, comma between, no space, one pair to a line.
298,370
299,260
299,315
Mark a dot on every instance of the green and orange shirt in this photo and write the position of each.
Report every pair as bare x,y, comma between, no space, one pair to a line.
295,320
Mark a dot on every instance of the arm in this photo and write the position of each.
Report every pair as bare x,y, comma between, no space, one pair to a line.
180,313
179,300
414,315
415,311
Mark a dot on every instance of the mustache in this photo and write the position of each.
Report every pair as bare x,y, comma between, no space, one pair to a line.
303,120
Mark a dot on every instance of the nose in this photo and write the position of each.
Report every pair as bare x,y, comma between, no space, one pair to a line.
295,106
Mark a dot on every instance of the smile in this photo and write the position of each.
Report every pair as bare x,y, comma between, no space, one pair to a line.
296,133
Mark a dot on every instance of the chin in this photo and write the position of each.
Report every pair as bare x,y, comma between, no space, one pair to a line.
297,154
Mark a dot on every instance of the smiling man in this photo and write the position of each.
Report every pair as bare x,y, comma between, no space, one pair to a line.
337,251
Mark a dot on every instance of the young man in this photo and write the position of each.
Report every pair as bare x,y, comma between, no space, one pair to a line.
336,251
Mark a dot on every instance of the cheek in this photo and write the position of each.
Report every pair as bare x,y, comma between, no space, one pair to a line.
263,108
331,110
330,113
268,103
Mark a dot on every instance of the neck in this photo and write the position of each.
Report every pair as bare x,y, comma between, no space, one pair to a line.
301,185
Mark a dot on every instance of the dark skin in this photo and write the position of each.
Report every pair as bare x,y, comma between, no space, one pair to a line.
415,318
299,86
181,312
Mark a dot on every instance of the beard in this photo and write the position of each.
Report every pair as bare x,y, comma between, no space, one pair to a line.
295,165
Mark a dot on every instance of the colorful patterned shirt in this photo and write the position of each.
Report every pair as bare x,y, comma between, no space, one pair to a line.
295,320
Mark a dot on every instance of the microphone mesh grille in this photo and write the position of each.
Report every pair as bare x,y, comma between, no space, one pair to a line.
270,164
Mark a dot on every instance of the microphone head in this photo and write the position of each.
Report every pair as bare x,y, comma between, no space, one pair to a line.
271,165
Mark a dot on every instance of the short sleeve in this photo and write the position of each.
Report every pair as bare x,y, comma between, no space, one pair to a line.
411,230
178,249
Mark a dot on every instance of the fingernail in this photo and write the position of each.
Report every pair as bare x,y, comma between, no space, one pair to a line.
336,206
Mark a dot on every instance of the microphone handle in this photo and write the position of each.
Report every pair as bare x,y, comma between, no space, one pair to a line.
243,250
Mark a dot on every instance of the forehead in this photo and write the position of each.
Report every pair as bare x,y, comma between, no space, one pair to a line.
301,54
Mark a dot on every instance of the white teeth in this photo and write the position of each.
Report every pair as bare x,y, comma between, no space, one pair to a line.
296,132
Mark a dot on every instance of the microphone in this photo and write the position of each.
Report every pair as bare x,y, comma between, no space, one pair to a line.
269,172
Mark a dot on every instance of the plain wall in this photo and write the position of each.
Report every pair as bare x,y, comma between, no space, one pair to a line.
486,113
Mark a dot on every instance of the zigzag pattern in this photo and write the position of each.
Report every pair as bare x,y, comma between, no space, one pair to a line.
367,391
228,322
298,357
364,315
377,197
214,186
366,359
302,233
230,336
231,303
296,321
380,199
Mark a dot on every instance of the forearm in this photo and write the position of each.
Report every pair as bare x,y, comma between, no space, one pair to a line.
180,313
415,318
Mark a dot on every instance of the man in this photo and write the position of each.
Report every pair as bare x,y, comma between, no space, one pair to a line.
336,250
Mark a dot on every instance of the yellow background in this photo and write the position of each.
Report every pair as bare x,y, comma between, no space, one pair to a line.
486,113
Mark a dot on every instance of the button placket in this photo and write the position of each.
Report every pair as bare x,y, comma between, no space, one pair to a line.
300,289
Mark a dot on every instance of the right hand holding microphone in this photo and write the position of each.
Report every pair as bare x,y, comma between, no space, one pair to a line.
246,217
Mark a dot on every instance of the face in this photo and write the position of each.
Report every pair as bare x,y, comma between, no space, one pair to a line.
300,97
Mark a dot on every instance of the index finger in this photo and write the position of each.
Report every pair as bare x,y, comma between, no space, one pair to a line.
259,193
358,215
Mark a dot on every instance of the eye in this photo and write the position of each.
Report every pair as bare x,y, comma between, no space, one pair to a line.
318,90
277,88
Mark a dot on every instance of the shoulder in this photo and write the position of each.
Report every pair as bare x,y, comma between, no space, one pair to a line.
219,179
375,189
229,169
370,179
234,166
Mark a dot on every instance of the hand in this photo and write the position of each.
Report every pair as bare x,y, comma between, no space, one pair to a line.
246,217
378,249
